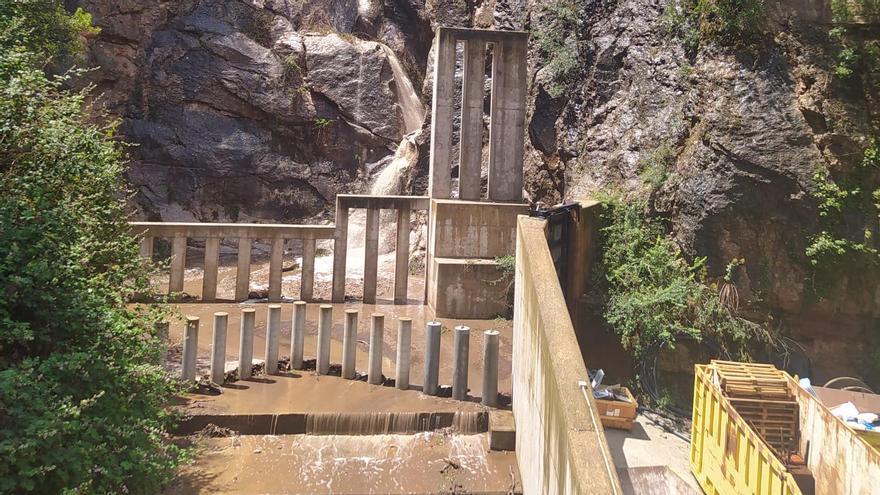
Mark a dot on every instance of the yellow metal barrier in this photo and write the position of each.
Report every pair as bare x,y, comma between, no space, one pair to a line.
727,456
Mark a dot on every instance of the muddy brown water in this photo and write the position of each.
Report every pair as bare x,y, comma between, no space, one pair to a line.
423,463
360,461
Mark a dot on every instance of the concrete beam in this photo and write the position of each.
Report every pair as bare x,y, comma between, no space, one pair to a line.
218,348
491,346
243,275
349,344
275,265
298,335
232,230
371,256
440,178
460,349
190,348
246,343
146,248
377,332
432,358
464,34
366,201
161,328
325,329
507,120
471,143
307,281
404,353
212,259
401,257
273,338
178,264
340,253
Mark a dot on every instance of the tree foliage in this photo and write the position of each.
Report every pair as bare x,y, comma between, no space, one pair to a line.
655,297
82,395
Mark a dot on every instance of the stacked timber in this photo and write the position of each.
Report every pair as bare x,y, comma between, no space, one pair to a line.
761,395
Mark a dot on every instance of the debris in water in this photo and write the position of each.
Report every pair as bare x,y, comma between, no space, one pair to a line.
450,464
213,431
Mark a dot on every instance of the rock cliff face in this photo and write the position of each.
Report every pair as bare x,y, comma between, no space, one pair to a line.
254,110
266,109
725,143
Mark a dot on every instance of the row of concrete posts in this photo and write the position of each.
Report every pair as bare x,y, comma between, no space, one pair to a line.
433,332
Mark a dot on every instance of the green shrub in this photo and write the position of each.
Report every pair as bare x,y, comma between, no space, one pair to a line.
82,395
556,37
849,221
856,55
655,297
728,22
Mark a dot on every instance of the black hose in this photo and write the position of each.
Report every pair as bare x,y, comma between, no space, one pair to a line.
648,374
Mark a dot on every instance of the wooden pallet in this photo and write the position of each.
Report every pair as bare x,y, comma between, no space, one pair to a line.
752,381
761,395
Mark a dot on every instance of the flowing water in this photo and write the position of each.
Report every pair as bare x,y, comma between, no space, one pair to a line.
410,104
383,423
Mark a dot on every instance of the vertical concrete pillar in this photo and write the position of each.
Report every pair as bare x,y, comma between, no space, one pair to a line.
307,283
471,142
246,343
340,247
349,344
377,331
461,346
491,343
218,348
161,328
404,352
507,120
371,255
401,267
432,358
297,335
147,248
243,276
273,338
178,264
442,108
190,348
275,266
325,328
212,259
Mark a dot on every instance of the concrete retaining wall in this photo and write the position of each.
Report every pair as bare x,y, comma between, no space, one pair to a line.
560,443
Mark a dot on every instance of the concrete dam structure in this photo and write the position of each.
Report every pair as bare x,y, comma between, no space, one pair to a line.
345,387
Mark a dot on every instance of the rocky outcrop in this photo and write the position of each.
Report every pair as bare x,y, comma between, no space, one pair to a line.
250,110
725,143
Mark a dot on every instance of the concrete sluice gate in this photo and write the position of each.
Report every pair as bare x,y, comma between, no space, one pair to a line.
287,424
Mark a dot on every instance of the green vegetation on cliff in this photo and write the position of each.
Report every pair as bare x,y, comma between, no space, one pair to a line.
82,395
655,297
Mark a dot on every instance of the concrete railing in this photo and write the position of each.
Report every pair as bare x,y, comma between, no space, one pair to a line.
374,205
277,234
560,442
245,233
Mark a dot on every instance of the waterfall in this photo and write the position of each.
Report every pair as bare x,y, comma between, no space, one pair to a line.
380,423
390,179
407,98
